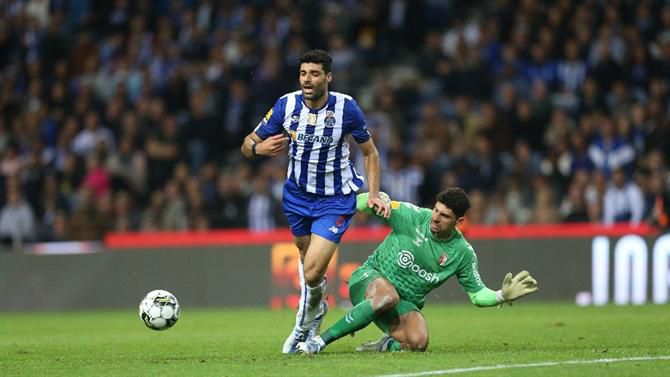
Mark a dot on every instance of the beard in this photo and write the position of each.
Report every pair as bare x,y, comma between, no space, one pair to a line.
317,93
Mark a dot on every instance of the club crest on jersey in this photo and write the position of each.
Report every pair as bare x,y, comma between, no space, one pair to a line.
442,261
330,119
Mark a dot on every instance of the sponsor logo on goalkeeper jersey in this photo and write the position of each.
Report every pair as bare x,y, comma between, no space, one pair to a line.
406,261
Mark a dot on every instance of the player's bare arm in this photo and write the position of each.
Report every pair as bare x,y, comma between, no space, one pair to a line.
253,146
373,172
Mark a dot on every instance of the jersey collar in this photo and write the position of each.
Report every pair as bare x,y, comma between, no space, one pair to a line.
434,237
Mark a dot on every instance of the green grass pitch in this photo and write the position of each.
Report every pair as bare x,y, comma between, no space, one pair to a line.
210,342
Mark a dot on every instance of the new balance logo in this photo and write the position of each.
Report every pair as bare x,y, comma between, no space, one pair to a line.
349,318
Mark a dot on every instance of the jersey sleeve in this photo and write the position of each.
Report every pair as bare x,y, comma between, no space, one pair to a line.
468,274
355,122
401,212
486,297
273,121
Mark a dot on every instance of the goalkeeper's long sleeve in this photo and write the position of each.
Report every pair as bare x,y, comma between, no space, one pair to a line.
362,204
486,297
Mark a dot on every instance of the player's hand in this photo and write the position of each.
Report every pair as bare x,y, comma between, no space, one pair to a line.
272,145
518,286
381,204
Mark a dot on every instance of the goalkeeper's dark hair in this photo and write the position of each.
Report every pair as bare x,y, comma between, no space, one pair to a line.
456,199
318,57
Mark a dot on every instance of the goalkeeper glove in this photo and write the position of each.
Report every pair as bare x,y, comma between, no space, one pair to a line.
518,286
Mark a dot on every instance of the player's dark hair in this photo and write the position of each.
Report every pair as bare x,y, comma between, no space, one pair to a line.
456,199
318,57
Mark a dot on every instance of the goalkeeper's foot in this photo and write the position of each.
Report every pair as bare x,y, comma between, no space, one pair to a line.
313,345
381,345
315,327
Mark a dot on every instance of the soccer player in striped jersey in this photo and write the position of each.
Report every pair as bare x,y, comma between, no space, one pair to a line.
423,250
319,196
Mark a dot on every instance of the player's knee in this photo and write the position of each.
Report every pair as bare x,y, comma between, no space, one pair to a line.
417,341
313,277
385,301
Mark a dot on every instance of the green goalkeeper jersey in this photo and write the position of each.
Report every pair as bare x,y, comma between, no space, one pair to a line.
414,260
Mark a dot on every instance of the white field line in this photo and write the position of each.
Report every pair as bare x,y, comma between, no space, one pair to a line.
530,365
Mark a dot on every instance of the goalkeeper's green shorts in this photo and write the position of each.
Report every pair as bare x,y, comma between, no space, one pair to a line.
358,284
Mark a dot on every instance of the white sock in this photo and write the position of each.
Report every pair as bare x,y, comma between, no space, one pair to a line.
310,300
299,316
314,295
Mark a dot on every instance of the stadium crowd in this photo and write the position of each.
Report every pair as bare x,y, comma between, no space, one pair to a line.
128,115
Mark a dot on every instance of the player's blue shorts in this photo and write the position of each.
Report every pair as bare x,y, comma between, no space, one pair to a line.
328,216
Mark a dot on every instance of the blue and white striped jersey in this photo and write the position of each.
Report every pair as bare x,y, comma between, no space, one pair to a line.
319,150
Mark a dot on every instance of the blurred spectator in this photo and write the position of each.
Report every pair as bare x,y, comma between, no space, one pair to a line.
52,203
263,208
477,207
402,180
56,231
623,201
201,130
659,202
92,136
609,151
174,215
540,68
528,125
87,223
164,149
230,206
128,168
151,216
124,216
573,207
195,204
70,176
11,162
544,208
237,114
97,177
17,221
571,71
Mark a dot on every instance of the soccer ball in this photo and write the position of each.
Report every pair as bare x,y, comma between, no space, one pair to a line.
159,310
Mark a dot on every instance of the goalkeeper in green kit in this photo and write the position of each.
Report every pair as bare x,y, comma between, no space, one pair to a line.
423,250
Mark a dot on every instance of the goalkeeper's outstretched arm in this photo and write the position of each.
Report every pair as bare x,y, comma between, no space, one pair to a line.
363,206
512,288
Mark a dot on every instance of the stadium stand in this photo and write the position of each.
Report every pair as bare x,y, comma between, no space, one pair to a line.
128,116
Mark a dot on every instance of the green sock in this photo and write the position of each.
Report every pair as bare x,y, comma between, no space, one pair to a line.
357,318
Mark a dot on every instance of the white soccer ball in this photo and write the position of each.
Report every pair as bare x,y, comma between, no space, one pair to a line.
159,310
